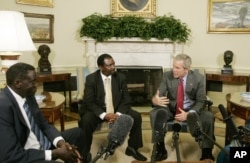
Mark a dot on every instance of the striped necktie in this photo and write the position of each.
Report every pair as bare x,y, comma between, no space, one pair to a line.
109,100
44,142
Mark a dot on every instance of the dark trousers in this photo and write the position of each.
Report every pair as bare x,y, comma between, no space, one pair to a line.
89,122
207,122
75,136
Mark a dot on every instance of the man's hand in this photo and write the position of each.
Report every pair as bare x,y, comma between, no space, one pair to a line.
182,116
67,152
111,117
160,101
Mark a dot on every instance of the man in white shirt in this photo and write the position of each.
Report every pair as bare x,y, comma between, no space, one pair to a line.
19,142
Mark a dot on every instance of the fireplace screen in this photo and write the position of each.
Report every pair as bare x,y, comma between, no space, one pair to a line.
143,81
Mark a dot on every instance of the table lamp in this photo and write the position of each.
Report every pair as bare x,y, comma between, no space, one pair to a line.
14,38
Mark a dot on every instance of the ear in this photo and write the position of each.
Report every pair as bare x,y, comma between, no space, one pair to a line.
17,84
101,68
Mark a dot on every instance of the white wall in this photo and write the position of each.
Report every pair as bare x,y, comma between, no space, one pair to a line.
68,49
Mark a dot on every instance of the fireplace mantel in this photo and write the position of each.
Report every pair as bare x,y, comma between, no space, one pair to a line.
132,51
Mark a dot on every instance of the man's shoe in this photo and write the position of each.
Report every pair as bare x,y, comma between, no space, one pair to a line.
134,153
207,154
161,155
87,158
161,152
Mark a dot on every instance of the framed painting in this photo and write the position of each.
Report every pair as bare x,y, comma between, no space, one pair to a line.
41,27
45,3
143,8
228,16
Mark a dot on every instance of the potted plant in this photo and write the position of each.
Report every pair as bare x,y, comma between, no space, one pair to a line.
104,27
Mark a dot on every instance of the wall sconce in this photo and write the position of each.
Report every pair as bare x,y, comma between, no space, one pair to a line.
14,38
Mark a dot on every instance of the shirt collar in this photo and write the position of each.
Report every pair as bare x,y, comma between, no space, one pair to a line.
105,77
18,98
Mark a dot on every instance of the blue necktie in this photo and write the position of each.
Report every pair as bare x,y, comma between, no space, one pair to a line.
44,142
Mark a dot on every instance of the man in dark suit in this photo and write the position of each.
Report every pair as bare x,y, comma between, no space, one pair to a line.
194,101
94,109
19,143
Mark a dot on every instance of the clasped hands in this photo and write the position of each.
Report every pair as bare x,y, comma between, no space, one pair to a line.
67,153
111,117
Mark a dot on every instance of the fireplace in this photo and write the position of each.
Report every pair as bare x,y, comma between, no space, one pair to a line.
152,57
142,82
132,51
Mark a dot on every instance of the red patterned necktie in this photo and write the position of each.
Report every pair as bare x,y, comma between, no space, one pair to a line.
180,96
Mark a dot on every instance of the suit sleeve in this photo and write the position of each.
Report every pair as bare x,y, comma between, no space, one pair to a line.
199,95
13,137
49,130
93,99
123,98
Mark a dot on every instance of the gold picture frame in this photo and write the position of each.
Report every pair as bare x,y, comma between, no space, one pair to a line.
143,8
44,3
228,16
41,27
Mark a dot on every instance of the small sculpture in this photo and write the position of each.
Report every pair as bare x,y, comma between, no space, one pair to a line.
44,66
228,58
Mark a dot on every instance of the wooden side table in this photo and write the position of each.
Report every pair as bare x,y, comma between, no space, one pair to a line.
52,108
238,107
61,77
234,78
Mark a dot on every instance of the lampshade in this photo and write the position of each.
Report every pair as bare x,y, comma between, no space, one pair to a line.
14,37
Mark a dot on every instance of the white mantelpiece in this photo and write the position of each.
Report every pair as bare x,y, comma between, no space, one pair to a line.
132,51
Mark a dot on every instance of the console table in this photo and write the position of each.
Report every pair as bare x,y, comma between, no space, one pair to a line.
230,78
62,77
52,107
237,107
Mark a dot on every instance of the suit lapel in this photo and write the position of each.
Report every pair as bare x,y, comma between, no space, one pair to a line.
114,85
100,87
189,82
20,116
174,83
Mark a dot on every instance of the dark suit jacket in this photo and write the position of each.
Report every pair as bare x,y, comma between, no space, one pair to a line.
195,89
14,131
94,94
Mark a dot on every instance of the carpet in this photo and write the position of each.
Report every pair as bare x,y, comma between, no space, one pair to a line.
189,149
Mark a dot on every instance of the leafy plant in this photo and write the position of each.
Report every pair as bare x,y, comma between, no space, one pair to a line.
105,27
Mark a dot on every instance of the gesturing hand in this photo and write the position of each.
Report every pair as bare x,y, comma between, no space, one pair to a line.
182,116
160,101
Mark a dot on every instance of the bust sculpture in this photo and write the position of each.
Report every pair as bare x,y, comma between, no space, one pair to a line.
44,66
228,58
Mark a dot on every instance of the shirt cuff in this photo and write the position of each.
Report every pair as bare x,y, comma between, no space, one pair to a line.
102,116
48,155
56,140
118,113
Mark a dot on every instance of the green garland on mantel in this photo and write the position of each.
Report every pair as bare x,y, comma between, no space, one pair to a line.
103,27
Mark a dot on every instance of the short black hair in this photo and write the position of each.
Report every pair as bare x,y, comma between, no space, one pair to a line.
101,58
18,71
